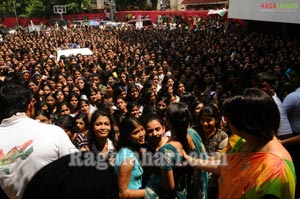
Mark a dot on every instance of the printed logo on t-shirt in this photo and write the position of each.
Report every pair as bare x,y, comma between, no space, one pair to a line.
17,152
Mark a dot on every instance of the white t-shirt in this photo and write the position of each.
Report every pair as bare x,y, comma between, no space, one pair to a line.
291,105
26,146
284,127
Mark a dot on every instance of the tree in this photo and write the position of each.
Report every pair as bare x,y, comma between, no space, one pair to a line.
40,8
131,4
8,8
154,4
35,8
77,6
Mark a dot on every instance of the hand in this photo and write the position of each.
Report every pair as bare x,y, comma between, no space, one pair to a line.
186,156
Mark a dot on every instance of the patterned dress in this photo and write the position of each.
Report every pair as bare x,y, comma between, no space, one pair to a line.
251,175
216,142
169,158
200,178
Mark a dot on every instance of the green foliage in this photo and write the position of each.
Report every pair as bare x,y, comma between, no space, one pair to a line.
78,6
73,8
2,12
131,4
35,8
44,8
9,7
154,4
86,4
121,4
41,8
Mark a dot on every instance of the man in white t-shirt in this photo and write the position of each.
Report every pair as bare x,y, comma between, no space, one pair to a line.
268,84
291,104
25,144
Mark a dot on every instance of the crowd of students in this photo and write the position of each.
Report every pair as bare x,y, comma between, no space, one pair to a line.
163,90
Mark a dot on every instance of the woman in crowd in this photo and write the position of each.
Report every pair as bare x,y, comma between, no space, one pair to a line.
133,109
75,89
179,88
52,84
147,98
66,90
62,79
155,130
198,182
155,139
142,78
82,122
42,116
215,140
196,107
82,85
262,168
133,92
162,103
85,108
115,133
59,86
209,128
33,86
70,80
68,123
121,105
127,166
60,96
64,108
52,105
99,131
170,180
109,93
155,82
46,89
92,97
74,100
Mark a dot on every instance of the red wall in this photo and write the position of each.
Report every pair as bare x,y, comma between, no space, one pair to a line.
120,15
11,21
153,14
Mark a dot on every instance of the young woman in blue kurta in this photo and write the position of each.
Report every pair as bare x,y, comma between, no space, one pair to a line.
127,166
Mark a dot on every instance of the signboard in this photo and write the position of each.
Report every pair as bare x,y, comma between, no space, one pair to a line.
285,11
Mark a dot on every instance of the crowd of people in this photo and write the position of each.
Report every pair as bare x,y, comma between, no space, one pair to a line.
161,91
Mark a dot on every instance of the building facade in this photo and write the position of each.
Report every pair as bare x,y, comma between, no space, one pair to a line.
175,5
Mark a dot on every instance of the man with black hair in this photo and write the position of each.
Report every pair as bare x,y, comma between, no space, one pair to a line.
267,83
25,144
81,175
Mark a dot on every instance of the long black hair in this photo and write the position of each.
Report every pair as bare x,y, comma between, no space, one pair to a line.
126,127
178,119
254,113
14,98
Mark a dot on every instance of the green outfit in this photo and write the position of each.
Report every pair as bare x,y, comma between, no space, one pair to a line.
170,159
200,178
